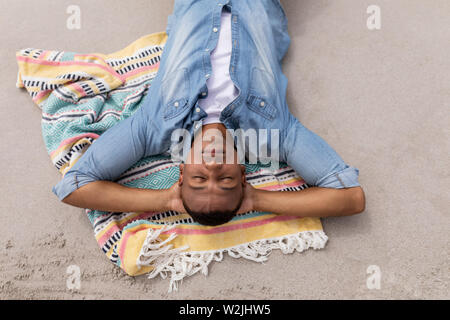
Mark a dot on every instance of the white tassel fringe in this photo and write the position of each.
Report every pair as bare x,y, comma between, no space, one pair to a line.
180,264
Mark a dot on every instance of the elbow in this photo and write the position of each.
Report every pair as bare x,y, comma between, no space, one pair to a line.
358,201
66,200
354,203
72,199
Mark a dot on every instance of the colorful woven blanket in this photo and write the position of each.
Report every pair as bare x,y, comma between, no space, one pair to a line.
81,96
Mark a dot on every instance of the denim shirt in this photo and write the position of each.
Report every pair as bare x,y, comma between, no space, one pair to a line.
260,40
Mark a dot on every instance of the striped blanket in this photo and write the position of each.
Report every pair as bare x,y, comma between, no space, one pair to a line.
81,96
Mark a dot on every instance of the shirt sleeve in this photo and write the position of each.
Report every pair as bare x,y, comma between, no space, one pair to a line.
115,151
316,161
71,181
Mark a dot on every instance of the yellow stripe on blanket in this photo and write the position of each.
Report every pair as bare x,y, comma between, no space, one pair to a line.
51,70
154,39
229,237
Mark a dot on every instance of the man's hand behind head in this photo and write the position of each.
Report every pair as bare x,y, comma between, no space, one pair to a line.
248,203
175,202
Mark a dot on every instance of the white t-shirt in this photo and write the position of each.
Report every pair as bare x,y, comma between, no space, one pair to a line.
221,90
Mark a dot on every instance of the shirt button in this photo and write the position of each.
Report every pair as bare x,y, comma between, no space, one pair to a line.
207,49
262,104
215,29
207,75
203,93
197,110
176,104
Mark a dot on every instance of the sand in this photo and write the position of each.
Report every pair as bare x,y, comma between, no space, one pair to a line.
380,98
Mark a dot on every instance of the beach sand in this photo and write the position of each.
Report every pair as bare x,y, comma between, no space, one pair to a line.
380,98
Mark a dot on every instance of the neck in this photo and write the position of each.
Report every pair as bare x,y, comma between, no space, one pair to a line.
205,128
219,126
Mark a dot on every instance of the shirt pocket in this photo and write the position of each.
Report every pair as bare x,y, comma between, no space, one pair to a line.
262,94
175,93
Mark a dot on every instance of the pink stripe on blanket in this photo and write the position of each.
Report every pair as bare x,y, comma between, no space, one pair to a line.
232,227
43,54
116,227
282,186
71,63
78,88
139,70
111,69
124,240
70,140
41,94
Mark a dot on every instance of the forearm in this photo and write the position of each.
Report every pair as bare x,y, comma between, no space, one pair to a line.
311,202
111,196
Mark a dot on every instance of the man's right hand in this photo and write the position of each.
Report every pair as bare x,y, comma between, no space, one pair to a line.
174,202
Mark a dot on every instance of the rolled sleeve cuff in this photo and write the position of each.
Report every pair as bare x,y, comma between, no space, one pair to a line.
71,182
346,178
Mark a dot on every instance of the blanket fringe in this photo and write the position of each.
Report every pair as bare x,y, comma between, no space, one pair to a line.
178,264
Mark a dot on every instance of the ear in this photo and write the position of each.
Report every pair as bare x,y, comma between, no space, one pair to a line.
180,180
243,178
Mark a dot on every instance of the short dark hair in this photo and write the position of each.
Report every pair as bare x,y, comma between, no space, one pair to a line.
212,218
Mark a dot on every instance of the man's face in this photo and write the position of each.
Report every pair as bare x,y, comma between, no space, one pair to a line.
214,183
